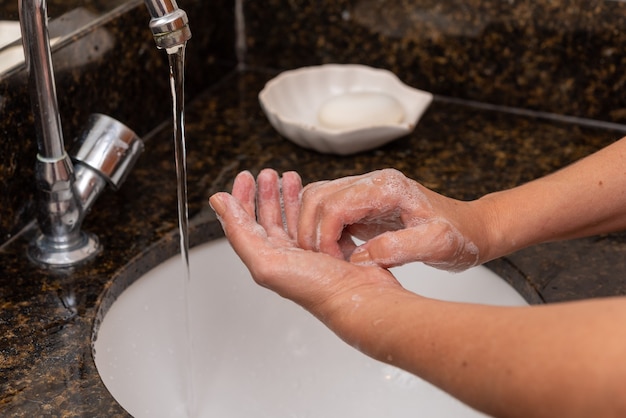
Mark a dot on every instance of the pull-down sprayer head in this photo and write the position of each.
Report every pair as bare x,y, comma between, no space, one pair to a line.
169,24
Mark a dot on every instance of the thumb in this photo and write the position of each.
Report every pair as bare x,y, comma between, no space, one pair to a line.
435,243
388,249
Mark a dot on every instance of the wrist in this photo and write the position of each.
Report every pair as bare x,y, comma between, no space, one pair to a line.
488,229
362,315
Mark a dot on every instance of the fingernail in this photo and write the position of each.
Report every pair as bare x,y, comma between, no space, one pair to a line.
361,256
217,204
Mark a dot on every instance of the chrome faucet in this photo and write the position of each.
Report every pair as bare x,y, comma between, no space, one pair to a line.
106,149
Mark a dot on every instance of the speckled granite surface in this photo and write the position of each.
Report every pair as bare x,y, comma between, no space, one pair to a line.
562,56
47,318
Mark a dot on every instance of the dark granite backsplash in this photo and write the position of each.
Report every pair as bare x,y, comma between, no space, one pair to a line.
111,67
561,56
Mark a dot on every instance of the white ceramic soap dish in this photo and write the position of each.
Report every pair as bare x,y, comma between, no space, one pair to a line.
342,109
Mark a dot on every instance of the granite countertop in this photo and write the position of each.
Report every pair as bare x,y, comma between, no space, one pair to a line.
47,317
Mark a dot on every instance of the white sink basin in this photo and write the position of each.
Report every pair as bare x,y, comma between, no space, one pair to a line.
256,354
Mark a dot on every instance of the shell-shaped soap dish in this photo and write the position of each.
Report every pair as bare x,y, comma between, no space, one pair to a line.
342,109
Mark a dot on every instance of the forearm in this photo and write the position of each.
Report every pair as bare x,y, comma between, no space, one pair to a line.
557,360
585,198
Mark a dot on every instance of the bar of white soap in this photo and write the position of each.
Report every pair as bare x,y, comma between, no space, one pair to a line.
360,110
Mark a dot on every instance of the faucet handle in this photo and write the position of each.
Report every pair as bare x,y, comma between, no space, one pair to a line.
108,147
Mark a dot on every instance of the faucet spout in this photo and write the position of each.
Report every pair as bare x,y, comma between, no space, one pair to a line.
169,23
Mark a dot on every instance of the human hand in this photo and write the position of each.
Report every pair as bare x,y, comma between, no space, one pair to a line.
318,282
400,220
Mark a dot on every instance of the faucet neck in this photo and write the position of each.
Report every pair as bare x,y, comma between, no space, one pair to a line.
160,8
36,41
